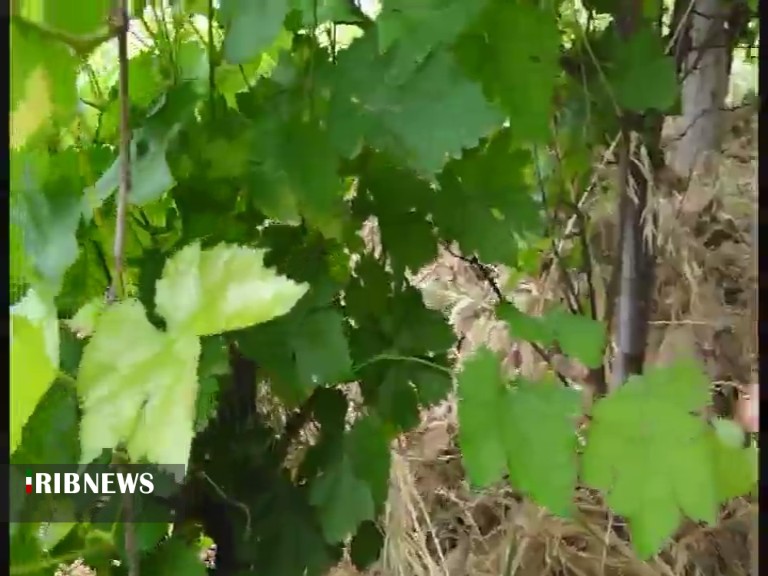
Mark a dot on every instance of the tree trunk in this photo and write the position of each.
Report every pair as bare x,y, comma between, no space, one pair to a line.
705,71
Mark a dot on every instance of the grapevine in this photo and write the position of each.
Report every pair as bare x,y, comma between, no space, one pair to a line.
189,187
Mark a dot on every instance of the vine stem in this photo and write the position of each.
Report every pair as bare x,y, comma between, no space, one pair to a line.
398,358
117,286
121,20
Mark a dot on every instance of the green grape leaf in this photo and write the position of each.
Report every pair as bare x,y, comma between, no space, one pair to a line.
400,201
489,183
251,27
291,542
91,16
395,116
523,326
84,322
394,397
25,548
174,556
51,433
417,330
514,50
302,350
409,238
539,430
342,499
46,208
43,83
207,401
321,348
367,444
54,533
416,28
34,359
642,75
147,534
578,336
138,385
481,406
151,176
295,168
399,348
735,466
222,289
643,447
366,545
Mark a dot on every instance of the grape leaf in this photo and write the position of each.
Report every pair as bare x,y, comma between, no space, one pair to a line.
384,347
84,321
367,444
400,201
46,208
316,12
644,446
295,168
43,82
34,359
25,548
138,385
291,541
514,50
354,481
488,182
410,239
322,352
366,545
51,433
394,396
147,534
151,176
207,401
416,28
578,336
251,27
523,326
481,406
342,499
735,467
540,441
400,117
90,16
642,75
302,350
222,289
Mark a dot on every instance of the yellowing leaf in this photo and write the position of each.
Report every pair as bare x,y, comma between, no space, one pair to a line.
34,358
34,109
43,82
138,385
221,289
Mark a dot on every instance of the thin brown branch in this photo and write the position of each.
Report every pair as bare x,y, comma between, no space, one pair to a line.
120,20
484,272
